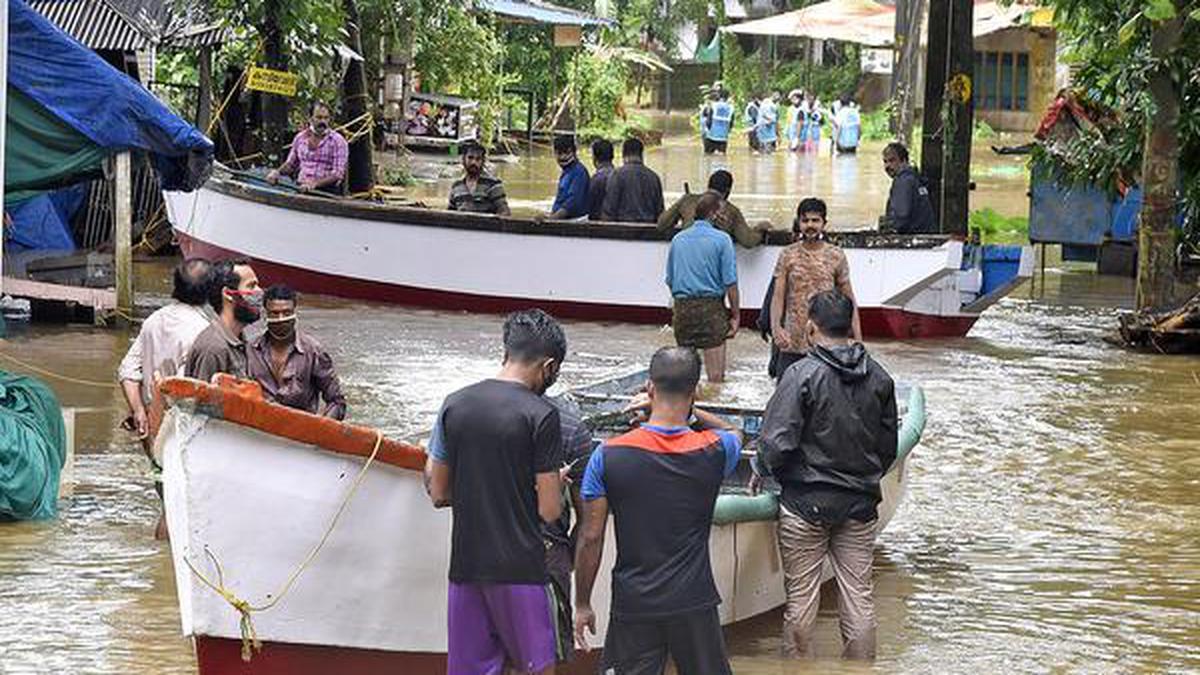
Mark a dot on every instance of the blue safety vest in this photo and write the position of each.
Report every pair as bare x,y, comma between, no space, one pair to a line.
722,121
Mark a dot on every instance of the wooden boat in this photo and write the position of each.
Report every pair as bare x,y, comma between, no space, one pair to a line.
251,490
907,286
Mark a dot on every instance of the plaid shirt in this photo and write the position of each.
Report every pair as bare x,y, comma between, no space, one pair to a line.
326,160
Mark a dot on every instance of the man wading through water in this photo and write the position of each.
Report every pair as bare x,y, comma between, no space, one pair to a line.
661,482
828,437
494,457
238,301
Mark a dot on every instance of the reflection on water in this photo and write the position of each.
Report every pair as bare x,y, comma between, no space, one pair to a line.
1052,521
765,186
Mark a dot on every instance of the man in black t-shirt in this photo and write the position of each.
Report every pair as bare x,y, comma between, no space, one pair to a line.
494,457
661,481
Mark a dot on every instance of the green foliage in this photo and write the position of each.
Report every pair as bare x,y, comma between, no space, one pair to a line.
398,174
1110,43
876,125
598,83
994,228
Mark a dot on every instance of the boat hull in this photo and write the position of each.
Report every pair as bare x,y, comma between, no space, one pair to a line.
249,489
906,288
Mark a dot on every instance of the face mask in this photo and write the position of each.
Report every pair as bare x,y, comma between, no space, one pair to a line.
320,128
247,305
282,327
809,234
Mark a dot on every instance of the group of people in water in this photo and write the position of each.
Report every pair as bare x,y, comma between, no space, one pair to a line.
771,119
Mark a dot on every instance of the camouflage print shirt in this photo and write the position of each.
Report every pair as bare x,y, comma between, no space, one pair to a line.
487,197
801,273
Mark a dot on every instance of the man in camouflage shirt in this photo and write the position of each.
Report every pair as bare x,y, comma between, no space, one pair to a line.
477,192
728,218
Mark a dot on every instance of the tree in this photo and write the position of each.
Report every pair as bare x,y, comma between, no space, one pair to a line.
1140,58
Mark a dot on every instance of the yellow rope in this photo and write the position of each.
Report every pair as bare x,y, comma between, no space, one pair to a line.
46,373
250,641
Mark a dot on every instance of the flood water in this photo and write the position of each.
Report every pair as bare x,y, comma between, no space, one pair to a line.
1052,522
767,186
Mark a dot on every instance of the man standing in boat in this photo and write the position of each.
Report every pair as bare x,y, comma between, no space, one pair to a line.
829,436
238,301
805,268
602,158
494,457
661,482
909,210
702,276
318,156
476,191
571,199
292,367
728,217
634,193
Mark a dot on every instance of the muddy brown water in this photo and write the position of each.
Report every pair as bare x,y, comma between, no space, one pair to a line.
1052,522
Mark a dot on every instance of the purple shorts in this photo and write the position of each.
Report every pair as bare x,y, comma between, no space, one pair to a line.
497,625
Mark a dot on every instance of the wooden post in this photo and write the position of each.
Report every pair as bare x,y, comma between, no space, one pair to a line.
360,170
936,58
123,232
959,119
204,105
909,14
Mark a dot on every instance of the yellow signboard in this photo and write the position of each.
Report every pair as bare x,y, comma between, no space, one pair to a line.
271,81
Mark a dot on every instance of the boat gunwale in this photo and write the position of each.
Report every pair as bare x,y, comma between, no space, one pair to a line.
241,402
482,222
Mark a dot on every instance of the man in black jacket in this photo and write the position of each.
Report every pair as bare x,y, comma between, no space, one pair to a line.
909,210
828,437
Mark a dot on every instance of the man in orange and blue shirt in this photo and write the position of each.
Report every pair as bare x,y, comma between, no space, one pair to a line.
661,481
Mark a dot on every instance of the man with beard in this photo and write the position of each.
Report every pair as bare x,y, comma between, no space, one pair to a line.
494,458
293,369
318,157
571,200
238,301
909,210
807,267
477,192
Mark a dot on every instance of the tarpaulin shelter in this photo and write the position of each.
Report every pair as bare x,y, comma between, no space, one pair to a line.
68,111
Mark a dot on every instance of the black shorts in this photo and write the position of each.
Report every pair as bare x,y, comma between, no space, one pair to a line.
694,641
711,146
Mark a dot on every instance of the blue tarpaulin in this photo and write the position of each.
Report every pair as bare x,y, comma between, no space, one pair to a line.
108,110
44,222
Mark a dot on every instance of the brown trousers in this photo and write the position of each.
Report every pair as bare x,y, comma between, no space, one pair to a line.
804,547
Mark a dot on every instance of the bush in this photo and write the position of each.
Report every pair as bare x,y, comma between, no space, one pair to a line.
994,228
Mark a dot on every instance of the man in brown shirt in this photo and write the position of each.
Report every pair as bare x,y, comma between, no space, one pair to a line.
238,302
728,218
807,267
293,369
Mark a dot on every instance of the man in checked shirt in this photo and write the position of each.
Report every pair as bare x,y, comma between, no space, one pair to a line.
318,157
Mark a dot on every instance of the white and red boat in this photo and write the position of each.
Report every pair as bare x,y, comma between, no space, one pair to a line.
907,286
251,488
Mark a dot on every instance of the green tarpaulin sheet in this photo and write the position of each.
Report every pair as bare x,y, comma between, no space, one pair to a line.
42,152
33,447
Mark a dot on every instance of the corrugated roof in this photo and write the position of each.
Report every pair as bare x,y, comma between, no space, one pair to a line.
869,23
95,23
538,11
127,25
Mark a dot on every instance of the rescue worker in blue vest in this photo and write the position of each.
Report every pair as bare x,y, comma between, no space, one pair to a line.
719,122
661,482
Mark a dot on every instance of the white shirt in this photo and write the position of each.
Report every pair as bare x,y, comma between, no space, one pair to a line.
162,346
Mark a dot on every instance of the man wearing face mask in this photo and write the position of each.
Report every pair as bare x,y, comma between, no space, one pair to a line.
807,267
494,458
571,200
238,302
292,367
318,157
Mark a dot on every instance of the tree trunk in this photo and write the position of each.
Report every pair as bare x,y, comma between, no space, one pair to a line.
355,101
960,119
904,71
935,89
205,97
276,133
1160,175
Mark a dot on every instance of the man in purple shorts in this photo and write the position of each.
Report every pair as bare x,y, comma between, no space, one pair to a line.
494,457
